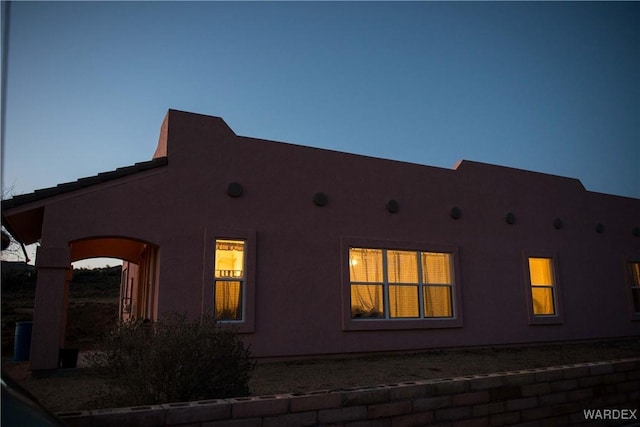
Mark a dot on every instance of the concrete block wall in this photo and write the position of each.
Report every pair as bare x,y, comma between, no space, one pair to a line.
555,396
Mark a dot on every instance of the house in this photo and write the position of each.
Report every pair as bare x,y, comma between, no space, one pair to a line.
310,252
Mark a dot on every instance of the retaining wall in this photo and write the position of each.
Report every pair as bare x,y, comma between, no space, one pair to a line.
555,396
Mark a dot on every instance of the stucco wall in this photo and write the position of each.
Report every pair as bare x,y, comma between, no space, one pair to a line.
555,396
298,270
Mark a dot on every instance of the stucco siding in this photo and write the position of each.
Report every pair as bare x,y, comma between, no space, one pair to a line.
299,263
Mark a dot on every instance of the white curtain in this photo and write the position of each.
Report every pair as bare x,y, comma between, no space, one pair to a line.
436,270
227,300
403,301
402,266
437,301
366,277
365,265
542,297
541,277
367,301
229,264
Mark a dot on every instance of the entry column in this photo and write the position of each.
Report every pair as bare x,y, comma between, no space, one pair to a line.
49,317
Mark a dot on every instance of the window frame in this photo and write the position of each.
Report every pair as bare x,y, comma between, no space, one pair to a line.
231,279
631,286
543,319
389,323
247,323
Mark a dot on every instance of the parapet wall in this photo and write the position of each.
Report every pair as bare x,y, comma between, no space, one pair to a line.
606,392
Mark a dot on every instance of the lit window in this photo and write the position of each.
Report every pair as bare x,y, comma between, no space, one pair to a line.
399,284
367,282
542,286
634,268
229,279
436,273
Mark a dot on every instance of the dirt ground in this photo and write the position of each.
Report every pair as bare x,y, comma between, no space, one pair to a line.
92,310
74,389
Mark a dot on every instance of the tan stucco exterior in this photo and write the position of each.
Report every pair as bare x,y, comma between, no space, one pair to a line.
163,219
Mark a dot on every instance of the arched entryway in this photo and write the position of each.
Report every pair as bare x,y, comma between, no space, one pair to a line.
55,272
138,286
138,289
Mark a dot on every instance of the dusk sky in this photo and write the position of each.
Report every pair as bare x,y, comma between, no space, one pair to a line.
549,87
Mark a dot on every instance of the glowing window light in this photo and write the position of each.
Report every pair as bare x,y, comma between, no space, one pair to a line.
542,283
229,275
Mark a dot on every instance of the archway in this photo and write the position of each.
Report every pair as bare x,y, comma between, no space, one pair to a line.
140,268
136,288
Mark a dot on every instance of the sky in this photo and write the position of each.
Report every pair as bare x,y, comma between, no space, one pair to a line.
552,87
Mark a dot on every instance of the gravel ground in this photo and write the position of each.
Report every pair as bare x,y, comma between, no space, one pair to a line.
74,389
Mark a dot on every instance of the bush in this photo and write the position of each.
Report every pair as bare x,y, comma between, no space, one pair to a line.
173,360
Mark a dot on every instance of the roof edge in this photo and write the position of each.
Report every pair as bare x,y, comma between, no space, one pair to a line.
465,165
68,187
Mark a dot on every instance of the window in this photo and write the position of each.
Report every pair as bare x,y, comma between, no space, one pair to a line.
400,284
229,280
228,286
541,279
634,270
543,296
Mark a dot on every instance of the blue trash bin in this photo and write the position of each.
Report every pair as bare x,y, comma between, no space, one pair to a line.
22,344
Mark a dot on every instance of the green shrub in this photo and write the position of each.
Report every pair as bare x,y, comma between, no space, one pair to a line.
172,360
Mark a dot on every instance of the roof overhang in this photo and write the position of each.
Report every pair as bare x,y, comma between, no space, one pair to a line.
25,226
22,215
